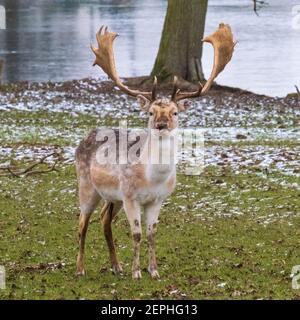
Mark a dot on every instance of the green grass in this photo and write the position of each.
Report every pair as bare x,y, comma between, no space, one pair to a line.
203,252
221,235
280,143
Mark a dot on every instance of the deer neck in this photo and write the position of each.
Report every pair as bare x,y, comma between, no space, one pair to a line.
159,155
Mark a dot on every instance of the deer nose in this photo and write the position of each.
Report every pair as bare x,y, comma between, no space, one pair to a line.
161,125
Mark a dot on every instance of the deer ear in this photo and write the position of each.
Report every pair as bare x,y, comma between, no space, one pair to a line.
144,102
183,105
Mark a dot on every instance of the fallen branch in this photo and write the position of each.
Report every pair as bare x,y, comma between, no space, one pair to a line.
51,266
29,171
43,267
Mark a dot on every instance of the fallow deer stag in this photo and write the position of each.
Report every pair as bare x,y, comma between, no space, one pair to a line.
140,185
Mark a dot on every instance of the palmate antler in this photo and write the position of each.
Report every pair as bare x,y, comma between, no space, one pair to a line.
222,41
105,59
223,44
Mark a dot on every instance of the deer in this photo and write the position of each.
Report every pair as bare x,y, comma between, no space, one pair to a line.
140,186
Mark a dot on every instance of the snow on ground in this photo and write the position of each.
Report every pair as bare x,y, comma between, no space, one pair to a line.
241,131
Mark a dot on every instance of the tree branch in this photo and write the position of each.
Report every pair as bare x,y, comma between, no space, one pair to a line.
29,170
256,4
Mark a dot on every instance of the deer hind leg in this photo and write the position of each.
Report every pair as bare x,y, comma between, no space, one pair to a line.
152,213
108,212
133,213
88,198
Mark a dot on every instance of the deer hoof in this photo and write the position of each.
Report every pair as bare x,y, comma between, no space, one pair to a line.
117,269
137,274
80,273
154,273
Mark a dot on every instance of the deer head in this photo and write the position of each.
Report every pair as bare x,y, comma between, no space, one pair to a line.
163,113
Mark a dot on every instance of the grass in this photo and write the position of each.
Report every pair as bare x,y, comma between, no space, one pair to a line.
221,234
203,252
51,128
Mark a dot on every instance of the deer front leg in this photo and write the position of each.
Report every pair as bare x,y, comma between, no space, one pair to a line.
133,212
152,213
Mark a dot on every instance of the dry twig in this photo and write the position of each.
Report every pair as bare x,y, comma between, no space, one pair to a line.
256,4
29,170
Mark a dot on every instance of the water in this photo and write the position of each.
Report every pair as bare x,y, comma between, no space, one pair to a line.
49,40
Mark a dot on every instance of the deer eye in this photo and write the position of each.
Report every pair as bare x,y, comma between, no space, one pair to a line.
151,114
175,113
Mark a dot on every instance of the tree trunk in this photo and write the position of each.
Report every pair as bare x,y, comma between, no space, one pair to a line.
180,49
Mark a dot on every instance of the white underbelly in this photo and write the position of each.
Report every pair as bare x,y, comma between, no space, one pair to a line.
111,195
153,194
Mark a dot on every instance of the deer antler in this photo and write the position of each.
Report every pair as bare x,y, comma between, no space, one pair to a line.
105,60
222,41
